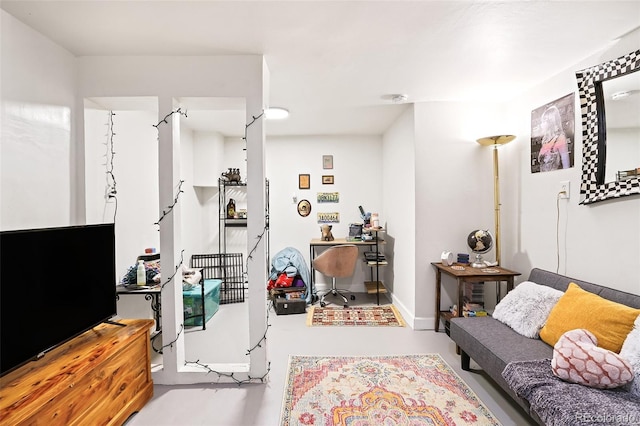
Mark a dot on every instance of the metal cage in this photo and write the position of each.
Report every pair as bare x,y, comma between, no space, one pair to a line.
226,267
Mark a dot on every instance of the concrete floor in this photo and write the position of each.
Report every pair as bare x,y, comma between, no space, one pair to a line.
260,404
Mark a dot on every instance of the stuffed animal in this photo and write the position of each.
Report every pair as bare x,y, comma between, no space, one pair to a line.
326,233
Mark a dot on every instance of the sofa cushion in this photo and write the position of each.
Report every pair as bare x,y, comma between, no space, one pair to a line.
578,359
609,321
526,307
631,352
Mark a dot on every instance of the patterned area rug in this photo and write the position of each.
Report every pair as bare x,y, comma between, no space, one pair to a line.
386,315
383,390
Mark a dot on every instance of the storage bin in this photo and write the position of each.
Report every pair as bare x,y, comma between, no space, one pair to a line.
192,302
285,306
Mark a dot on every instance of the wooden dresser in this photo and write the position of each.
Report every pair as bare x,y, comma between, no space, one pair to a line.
99,378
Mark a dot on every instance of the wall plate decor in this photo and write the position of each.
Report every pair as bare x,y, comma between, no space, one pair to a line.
304,181
327,161
304,208
327,179
593,186
328,197
333,217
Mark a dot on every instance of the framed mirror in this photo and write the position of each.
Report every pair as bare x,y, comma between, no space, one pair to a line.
595,84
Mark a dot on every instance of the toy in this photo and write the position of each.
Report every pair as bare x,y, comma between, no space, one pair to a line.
326,233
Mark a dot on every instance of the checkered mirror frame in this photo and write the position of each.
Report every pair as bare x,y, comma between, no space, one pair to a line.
590,190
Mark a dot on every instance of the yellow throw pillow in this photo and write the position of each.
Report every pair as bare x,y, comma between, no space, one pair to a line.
609,321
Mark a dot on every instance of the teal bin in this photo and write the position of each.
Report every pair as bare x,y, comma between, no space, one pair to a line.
192,302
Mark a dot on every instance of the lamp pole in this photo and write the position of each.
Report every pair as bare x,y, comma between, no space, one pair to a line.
494,142
496,200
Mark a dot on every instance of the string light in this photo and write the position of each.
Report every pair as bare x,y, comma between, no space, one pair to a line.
110,155
264,336
178,268
246,127
239,382
164,120
255,247
249,379
175,201
170,344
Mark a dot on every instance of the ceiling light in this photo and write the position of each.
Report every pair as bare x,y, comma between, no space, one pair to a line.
398,98
276,113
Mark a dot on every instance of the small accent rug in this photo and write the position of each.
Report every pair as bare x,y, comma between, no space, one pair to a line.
408,390
372,316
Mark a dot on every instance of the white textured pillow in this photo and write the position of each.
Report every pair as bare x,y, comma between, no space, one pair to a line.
525,308
631,353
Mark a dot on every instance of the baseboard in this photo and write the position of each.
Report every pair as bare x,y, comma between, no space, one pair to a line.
416,323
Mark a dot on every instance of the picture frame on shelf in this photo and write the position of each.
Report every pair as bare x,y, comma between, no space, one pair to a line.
327,162
304,181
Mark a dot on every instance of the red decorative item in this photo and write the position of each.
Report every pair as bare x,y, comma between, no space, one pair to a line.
284,281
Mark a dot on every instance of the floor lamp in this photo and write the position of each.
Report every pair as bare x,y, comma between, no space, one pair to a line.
495,141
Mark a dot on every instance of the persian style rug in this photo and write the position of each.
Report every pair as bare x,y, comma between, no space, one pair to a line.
386,315
409,390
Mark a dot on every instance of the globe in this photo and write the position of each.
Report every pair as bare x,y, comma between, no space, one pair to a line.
480,241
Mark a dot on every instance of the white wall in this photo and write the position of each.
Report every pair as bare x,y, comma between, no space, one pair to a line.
399,191
135,167
38,86
207,154
454,190
358,180
598,242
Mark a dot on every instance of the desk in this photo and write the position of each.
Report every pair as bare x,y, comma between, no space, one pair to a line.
373,286
471,275
151,293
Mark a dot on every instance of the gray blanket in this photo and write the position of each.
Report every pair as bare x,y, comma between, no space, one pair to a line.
559,403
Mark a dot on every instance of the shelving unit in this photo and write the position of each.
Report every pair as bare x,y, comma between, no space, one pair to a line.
374,259
224,222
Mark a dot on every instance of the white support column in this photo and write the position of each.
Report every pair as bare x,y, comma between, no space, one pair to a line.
170,248
256,248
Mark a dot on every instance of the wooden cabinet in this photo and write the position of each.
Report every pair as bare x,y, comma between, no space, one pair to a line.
99,378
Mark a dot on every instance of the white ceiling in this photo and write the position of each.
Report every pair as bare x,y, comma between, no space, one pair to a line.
334,63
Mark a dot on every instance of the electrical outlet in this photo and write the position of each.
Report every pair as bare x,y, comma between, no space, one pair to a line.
563,191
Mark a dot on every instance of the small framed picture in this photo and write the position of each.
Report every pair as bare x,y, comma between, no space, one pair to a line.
304,181
327,179
327,161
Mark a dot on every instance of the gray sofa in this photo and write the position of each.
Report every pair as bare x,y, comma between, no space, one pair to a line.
494,345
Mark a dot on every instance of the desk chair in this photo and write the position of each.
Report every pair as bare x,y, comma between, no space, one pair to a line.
337,262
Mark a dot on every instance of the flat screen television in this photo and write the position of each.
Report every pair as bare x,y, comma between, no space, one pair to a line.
55,283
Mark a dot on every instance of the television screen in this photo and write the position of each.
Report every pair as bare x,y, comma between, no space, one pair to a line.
55,283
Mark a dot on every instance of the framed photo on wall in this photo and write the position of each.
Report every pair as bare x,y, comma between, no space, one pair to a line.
552,135
327,161
304,181
327,179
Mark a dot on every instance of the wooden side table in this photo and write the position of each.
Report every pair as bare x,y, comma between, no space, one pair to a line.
466,273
